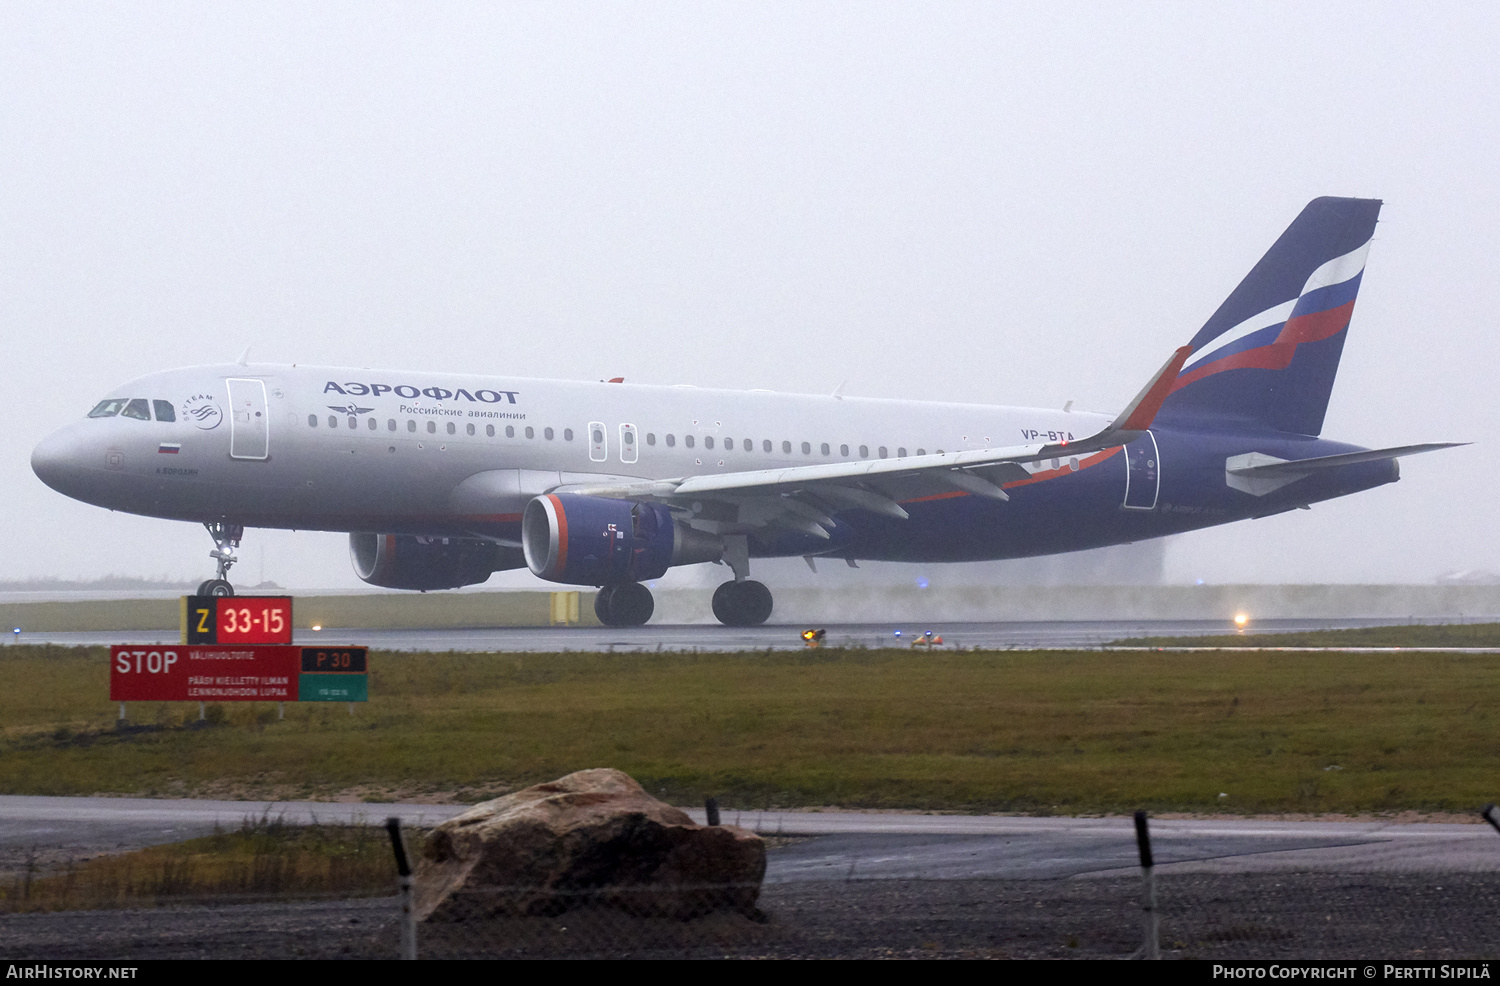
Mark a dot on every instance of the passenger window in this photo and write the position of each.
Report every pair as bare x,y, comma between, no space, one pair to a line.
333,421
766,445
567,434
312,420
489,431
825,448
432,427
137,409
921,451
671,441
451,428
882,451
687,440
353,422
708,441
844,450
786,448
864,451
547,434
390,424
107,409
901,453
374,424
164,410
411,425
530,432
469,428
807,448
749,445
650,438
510,431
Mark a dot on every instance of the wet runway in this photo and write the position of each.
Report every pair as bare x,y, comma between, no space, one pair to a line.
843,845
1065,634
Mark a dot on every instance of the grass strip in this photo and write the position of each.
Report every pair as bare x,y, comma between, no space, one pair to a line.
264,859
1412,635
1034,731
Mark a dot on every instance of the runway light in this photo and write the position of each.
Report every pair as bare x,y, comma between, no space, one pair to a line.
1240,620
813,638
317,626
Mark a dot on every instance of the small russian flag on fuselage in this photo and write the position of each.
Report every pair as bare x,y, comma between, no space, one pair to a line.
168,448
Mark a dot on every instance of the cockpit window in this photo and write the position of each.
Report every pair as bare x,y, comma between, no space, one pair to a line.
164,410
137,409
108,408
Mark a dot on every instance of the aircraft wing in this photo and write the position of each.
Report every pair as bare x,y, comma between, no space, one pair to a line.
803,497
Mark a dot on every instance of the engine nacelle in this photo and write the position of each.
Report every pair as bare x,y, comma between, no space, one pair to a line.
592,540
408,561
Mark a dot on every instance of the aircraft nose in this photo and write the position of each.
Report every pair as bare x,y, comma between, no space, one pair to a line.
58,461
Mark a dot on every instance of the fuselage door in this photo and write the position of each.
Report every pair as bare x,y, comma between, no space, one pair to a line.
1142,473
598,442
628,451
249,426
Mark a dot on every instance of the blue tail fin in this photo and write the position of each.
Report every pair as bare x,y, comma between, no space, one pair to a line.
1267,358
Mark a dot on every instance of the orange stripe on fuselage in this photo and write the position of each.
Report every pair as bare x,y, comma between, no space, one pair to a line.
1083,463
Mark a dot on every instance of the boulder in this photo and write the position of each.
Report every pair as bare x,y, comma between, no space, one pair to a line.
594,837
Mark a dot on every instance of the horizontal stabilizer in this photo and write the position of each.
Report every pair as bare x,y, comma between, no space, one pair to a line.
1271,466
1258,474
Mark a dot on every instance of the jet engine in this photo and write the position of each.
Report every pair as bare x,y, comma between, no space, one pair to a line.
591,540
408,561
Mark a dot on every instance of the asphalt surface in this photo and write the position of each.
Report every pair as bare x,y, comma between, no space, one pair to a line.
838,845
1054,634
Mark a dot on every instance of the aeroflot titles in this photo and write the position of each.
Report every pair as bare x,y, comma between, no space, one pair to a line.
409,392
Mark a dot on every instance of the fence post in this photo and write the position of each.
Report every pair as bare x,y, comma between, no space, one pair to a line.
403,881
711,811
1151,948
1488,814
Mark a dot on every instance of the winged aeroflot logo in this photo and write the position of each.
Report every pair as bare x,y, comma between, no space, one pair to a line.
351,409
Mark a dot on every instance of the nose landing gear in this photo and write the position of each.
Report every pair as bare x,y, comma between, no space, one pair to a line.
226,538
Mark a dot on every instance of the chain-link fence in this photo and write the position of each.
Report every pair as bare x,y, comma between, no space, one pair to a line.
1208,908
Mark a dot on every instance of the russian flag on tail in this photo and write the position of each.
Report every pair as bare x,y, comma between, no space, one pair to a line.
1267,358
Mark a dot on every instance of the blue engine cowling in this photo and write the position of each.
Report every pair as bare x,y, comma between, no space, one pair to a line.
592,540
406,561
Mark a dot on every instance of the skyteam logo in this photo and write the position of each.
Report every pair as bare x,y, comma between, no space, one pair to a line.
203,411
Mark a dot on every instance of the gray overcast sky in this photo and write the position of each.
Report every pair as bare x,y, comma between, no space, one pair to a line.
998,202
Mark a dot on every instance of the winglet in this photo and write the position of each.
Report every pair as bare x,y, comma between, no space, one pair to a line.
1142,411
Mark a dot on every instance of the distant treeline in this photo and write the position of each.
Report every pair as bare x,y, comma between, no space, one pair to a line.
104,582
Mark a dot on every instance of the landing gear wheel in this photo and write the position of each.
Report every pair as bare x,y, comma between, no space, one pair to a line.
215,587
627,604
742,604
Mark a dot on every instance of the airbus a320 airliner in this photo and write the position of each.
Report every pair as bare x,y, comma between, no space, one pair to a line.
441,480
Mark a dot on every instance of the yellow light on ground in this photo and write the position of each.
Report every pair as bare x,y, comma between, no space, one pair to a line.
1240,619
317,626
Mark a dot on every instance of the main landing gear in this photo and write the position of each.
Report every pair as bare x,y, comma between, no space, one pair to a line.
625,604
742,604
226,538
